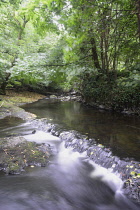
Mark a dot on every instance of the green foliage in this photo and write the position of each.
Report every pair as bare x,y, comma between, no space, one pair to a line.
133,80
35,67
89,46
123,95
126,98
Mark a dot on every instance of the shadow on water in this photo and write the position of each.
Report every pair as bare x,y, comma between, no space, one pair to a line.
118,132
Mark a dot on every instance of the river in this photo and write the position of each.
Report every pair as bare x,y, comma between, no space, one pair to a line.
120,133
72,181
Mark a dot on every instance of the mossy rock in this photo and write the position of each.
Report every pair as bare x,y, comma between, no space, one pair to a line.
13,169
14,158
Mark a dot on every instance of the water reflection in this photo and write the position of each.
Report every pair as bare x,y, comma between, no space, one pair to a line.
121,133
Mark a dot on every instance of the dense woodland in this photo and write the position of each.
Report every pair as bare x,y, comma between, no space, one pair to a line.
89,46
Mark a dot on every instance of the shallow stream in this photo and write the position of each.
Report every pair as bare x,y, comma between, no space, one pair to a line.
71,181
116,131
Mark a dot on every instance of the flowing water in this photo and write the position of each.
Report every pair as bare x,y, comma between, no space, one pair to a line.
120,133
71,181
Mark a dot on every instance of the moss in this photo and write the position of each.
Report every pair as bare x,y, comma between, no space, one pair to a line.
13,168
14,158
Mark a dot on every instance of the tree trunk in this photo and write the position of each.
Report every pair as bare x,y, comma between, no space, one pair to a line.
22,27
94,53
138,16
102,52
4,84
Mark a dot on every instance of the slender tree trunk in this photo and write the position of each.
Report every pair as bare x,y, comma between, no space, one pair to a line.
102,42
4,84
22,27
115,59
102,52
94,53
106,53
105,32
138,16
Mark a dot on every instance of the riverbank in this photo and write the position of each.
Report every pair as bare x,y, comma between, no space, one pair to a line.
15,152
9,103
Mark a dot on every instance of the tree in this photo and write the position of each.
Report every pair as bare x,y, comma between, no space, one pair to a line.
101,30
21,26
57,42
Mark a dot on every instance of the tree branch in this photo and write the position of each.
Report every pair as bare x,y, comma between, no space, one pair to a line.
67,64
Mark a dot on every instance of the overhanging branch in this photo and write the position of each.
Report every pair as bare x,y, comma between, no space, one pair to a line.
67,64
